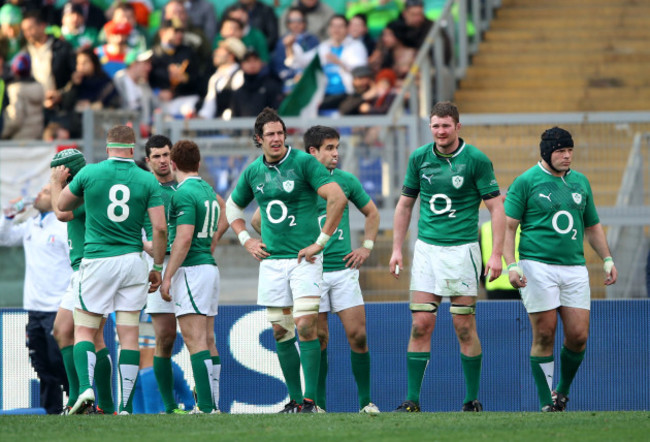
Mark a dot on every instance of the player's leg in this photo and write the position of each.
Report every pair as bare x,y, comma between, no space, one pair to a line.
128,330
164,325
63,332
323,338
193,328
463,316
86,326
103,373
215,376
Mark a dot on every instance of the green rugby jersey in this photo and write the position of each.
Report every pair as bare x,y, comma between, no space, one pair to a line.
553,212
166,191
76,232
117,194
339,245
286,193
195,203
451,189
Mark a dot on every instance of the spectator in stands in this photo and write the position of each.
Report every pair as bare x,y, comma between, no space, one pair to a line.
260,88
383,93
227,78
111,55
174,71
93,15
202,15
53,60
392,54
193,36
23,117
55,131
74,30
262,17
290,49
318,15
252,37
339,54
363,91
132,84
124,13
378,13
89,88
358,29
10,18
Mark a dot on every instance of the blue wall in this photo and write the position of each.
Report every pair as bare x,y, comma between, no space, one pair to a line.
614,376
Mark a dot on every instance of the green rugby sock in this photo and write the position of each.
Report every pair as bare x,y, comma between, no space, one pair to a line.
84,363
162,369
202,369
128,364
416,365
104,381
361,372
310,360
569,363
321,396
215,379
73,380
290,364
542,367
472,371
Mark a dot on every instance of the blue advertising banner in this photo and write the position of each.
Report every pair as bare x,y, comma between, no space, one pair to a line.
615,374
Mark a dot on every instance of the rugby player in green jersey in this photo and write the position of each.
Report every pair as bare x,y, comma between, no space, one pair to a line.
341,290
555,208
65,165
113,273
287,183
451,179
191,279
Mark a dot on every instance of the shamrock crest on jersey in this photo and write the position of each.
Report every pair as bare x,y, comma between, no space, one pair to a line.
288,185
457,181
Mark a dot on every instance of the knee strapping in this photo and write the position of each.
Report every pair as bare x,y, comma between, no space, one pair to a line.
127,318
459,309
86,319
305,306
427,307
276,316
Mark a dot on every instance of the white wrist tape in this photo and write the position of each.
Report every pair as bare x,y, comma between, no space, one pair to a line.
515,268
322,239
233,211
368,244
243,237
608,264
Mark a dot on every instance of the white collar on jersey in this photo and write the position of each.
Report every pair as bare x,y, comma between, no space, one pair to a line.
195,177
121,159
277,163
541,166
457,152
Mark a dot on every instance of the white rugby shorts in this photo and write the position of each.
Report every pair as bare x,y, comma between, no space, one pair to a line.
155,303
550,286
446,270
340,291
195,290
71,293
283,280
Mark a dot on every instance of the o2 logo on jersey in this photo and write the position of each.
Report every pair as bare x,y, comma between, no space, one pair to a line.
284,212
447,204
569,223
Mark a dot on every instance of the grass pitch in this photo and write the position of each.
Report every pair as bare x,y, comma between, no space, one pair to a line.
577,426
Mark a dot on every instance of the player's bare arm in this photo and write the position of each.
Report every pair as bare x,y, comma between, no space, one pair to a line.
180,247
598,241
254,246
494,265
336,202
222,224
358,256
58,179
401,221
159,239
68,201
516,276
256,221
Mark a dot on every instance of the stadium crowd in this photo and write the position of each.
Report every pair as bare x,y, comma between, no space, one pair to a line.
180,58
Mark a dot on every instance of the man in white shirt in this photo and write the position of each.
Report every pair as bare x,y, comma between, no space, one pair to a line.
47,274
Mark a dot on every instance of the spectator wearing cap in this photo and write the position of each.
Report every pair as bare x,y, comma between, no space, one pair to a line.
132,84
339,55
363,85
318,15
290,49
252,37
10,18
74,30
112,54
262,17
260,88
89,88
53,60
174,71
227,78
125,12
23,117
